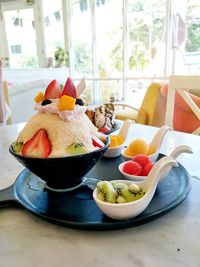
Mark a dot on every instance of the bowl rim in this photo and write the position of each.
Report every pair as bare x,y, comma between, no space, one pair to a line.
101,202
107,140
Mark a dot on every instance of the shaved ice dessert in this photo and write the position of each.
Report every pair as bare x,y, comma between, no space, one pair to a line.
60,127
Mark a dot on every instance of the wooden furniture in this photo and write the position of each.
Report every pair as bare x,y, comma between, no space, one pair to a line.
6,98
182,84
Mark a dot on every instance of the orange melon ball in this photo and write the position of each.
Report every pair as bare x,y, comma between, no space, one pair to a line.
138,146
128,152
151,150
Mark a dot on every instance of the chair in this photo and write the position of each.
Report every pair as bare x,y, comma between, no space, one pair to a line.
146,113
182,107
4,101
6,98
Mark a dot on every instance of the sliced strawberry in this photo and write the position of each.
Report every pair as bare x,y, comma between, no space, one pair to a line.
69,88
38,146
53,90
103,129
97,142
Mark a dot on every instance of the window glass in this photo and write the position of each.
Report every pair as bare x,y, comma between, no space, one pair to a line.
81,38
109,38
21,38
186,52
54,35
145,48
111,90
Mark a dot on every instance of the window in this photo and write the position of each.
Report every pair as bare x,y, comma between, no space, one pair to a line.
21,38
54,33
119,46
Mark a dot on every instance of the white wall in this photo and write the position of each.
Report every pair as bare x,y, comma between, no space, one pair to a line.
27,83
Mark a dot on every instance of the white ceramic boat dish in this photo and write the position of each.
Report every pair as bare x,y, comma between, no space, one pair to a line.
174,154
116,151
135,178
132,209
156,143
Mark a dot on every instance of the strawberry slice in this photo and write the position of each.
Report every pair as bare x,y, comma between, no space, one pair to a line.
97,142
53,90
69,88
38,146
103,130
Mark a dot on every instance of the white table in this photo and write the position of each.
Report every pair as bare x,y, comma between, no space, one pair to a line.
170,240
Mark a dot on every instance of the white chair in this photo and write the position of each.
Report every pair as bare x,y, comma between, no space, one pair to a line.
182,84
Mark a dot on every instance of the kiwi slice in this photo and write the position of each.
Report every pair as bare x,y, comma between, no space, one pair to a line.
17,146
130,196
108,191
134,188
76,149
120,199
119,187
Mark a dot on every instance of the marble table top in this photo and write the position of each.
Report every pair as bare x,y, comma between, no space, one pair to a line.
172,239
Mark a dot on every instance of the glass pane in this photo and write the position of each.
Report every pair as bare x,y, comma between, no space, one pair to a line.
146,48
111,91
21,38
109,38
136,91
187,28
54,34
87,94
81,38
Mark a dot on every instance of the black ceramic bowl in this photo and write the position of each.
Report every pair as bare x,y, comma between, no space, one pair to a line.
63,172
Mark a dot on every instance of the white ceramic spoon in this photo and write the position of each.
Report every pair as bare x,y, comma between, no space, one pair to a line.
132,209
174,154
116,151
155,143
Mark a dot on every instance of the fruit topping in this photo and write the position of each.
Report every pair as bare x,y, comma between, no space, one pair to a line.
38,146
116,140
46,102
97,142
151,150
107,191
141,159
147,168
69,88
132,168
53,90
39,97
76,149
80,102
139,165
17,146
137,146
104,129
66,103
118,192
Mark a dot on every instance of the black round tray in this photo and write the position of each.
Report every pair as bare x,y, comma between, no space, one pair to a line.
77,209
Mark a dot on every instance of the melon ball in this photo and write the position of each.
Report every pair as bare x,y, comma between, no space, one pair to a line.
138,146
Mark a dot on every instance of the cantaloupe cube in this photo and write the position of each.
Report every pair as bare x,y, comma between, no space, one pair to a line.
39,97
66,103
